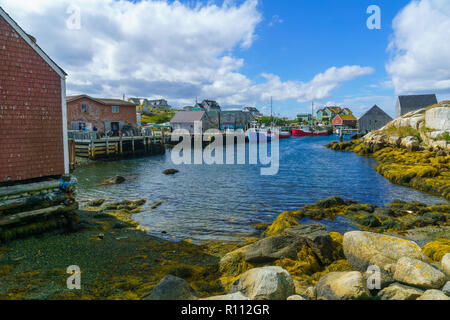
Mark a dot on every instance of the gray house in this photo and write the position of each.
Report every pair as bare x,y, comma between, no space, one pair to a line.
373,119
186,120
234,120
410,103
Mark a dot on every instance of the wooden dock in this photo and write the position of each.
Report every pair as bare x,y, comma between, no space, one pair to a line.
89,145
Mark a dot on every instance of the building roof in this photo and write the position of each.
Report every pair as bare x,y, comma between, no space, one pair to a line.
347,117
32,43
334,109
374,109
417,101
348,110
105,101
187,116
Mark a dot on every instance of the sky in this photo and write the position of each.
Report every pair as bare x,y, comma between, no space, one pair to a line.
243,52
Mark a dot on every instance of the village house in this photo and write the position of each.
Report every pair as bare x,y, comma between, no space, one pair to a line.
235,120
145,105
36,192
305,117
373,119
186,120
410,103
344,121
253,111
99,114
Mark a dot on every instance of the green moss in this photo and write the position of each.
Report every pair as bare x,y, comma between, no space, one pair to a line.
284,221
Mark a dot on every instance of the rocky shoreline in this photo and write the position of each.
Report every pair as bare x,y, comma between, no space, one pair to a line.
289,261
413,150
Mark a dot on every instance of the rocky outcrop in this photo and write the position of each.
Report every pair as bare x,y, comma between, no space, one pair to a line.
433,295
446,264
363,249
268,283
397,291
172,288
438,118
237,296
342,286
296,297
418,273
446,288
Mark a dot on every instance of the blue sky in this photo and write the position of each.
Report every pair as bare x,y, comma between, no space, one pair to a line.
242,52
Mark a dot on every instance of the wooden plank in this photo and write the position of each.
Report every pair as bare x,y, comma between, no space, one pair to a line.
33,200
23,216
29,187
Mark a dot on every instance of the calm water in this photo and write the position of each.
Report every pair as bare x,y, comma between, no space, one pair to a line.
205,202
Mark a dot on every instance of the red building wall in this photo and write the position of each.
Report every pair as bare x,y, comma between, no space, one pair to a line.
31,133
97,113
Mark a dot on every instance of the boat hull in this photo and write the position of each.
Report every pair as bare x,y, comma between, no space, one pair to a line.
301,133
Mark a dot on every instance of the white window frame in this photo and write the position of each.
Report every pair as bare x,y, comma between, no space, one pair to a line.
113,108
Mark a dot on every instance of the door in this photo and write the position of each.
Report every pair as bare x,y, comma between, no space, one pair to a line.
115,127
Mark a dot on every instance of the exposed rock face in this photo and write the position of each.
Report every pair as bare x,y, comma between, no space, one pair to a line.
410,143
287,246
170,172
397,291
363,249
268,283
342,286
438,118
446,264
296,297
433,295
446,288
172,288
115,180
237,296
418,273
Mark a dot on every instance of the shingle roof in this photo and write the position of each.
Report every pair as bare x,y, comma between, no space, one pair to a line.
105,101
417,101
348,117
187,116
375,108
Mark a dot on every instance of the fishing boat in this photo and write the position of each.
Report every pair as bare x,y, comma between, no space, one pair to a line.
260,135
284,134
308,131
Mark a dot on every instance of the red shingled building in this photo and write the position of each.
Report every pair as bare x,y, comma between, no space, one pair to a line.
33,119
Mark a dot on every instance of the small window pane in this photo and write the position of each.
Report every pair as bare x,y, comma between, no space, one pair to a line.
84,108
115,109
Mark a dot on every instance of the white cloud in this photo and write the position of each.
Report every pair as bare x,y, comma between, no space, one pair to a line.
163,49
421,47
275,20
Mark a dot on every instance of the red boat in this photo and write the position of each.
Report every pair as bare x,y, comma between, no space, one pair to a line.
284,135
307,131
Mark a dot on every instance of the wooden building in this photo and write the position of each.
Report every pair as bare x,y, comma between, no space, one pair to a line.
343,121
34,154
410,103
373,119
100,114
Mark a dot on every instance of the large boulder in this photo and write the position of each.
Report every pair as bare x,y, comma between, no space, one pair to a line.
364,249
433,294
172,288
438,118
418,273
411,143
284,246
446,288
397,291
446,264
237,296
342,286
296,297
268,283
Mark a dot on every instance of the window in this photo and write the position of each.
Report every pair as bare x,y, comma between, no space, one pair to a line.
115,109
84,108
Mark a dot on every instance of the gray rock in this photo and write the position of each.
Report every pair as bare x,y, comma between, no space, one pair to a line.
268,283
411,143
445,263
397,291
433,294
296,297
438,118
172,288
342,286
446,288
237,296
290,243
364,249
418,273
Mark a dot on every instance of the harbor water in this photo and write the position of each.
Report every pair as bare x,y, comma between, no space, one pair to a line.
225,202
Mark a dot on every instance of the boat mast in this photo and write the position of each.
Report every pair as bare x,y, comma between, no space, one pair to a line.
312,113
271,111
